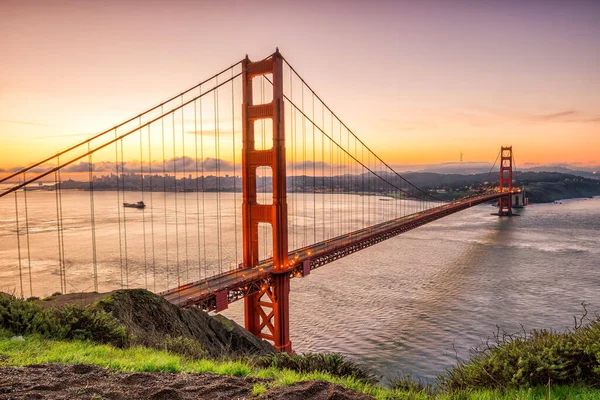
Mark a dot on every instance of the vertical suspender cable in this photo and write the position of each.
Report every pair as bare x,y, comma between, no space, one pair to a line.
203,187
124,220
218,165
362,183
93,220
119,205
62,235
264,229
60,260
151,209
235,220
197,187
164,161
314,159
332,187
185,227
143,210
304,214
19,245
27,235
175,200
323,170
293,121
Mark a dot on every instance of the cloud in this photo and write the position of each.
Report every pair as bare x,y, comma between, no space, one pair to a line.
24,123
178,164
38,169
555,116
63,136
308,164
565,116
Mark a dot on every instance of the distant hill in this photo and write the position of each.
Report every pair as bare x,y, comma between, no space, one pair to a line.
541,187
473,168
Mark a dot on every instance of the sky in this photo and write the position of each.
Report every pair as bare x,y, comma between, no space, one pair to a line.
419,82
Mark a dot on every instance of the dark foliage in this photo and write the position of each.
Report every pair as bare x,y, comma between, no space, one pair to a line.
335,364
69,322
534,359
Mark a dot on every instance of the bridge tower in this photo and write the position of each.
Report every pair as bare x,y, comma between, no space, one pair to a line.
266,312
506,172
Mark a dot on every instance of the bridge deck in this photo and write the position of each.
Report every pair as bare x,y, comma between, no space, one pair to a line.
216,292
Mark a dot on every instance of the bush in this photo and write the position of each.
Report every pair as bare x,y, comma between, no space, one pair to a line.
543,356
70,322
186,347
334,364
408,383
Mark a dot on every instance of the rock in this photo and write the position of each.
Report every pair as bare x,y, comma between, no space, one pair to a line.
150,318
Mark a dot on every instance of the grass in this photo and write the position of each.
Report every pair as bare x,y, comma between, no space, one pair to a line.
35,350
259,389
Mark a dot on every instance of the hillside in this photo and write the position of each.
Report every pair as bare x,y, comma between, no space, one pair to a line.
152,321
541,187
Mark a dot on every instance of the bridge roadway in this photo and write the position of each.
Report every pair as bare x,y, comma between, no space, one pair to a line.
216,292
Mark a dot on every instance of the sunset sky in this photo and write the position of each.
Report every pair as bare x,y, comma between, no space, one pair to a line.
417,81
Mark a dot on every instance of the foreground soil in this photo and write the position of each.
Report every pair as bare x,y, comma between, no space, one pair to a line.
59,381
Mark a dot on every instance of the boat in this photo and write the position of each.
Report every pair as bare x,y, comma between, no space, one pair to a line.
139,204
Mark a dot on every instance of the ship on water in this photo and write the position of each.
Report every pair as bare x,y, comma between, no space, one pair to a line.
139,204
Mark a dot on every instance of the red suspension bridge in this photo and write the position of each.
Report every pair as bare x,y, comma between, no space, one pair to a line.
245,181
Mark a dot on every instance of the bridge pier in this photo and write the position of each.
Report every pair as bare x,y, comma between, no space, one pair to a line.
267,311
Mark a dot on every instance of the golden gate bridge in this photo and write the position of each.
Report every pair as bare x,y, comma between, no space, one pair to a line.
310,193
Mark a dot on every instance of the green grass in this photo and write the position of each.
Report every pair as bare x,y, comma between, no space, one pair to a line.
35,350
540,393
259,389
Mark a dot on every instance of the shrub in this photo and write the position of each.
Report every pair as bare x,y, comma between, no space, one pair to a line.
530,360
408,383
186,347
334,364
70,322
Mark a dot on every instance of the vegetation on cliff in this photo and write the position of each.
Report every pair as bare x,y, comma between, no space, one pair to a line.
108,332
538,358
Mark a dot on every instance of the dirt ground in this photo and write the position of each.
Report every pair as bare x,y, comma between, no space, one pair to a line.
58,381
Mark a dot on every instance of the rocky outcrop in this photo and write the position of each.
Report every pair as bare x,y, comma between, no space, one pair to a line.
154,322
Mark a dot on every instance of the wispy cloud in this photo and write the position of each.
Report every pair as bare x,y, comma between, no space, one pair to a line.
41,168
555,116
45,137
570,115
178,164
25,123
